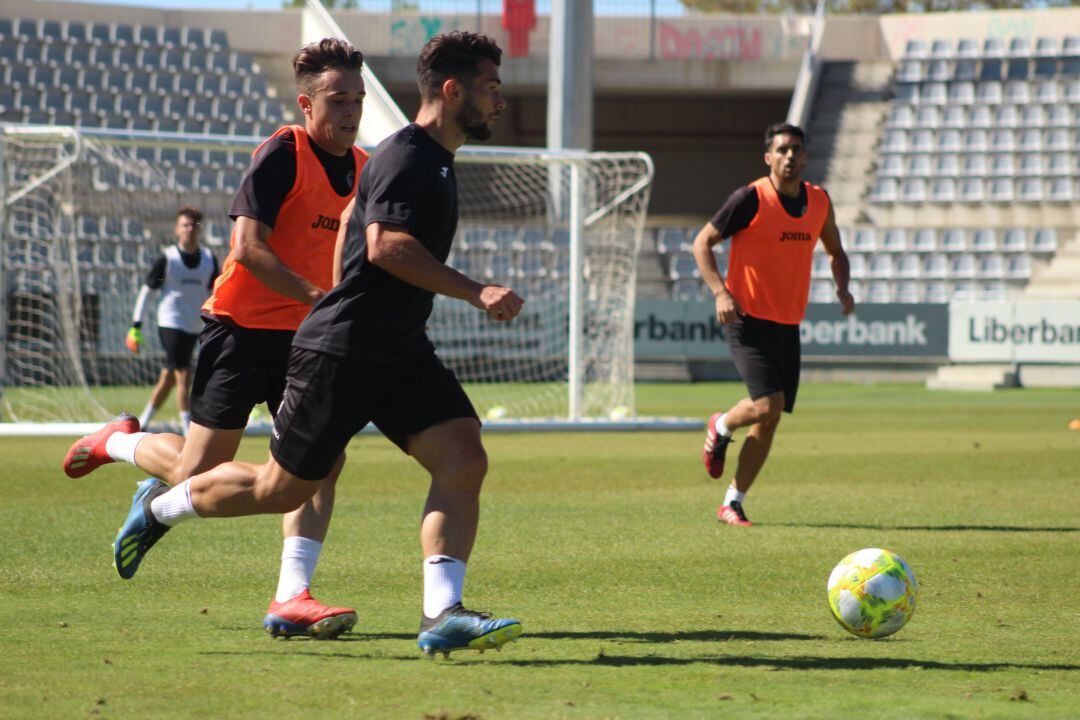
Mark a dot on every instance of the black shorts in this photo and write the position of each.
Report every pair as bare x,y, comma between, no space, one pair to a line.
179,346
328,399
767,355
238,368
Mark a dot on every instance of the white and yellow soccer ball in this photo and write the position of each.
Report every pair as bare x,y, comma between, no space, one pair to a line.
872,593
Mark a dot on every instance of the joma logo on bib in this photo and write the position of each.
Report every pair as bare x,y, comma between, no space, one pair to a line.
326,223
795,236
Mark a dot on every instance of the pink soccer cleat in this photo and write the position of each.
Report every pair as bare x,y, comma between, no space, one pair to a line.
88,453
303,615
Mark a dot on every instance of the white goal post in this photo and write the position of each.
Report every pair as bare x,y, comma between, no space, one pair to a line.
84,211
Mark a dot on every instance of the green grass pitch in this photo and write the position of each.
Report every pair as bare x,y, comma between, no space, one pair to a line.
636,603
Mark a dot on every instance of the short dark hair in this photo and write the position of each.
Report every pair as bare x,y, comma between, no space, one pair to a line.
782,129
453,55
191,213
315,58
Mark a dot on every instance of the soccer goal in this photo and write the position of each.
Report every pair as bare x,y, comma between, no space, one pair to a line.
84,212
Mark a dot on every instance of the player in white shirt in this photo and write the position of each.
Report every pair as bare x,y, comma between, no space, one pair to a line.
185,274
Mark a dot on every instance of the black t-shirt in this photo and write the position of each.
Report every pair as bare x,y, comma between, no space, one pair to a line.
739,209
371,315
273,172
156,277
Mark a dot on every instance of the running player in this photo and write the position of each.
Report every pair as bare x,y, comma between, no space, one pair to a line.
363,354
185,274
773,224
287,215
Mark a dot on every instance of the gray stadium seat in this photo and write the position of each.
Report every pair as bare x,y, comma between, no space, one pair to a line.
1062,166
948,141
1019,267
17,76
989,92
1014,240
920,141
26,29
75,32
150,58
173,59
1033,116
1060,189
220,63
1018,69
1046,68
1002,141
942,49
683,266
195,39
1017,92
148,36
123,34
55,55
916,49
984,240
196,61
908,266
894,141
885,190
1007,116
219,40
1057,139
906,93
187,83
100,34
976,141
927,118
1001,190
881,265
126,57
910,71
936,266
891,166
672,240
1044,241
820,266
857,263
171,37
1002,164
934,93
943,190
972,190
962,266
900,116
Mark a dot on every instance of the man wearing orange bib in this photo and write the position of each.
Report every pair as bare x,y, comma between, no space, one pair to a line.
773,224
288,213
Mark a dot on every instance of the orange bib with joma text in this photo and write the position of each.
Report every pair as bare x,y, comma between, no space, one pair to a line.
769,268
303,238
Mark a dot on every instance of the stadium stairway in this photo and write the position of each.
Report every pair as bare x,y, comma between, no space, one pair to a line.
1061,277
845,128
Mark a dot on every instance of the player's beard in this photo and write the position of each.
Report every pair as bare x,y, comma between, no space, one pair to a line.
472,121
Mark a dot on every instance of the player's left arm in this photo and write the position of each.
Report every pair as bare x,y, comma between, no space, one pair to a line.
395,250
339,243
838,262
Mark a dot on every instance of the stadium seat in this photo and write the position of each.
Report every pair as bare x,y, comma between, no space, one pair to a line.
909,292
993,47
1070,67
972,190
947,165
1046,91
880,265
1029,190
908,266
936,292
1044,241
196,61
1060,190
1002,163
1002,141
171,37
671,240
982,240
894,141
1062,165
943,190
683,266
964,71
934,93
1058,115
1047,47
26,29
924,240
1057,139
894,240
976,141
1001,190
821,267
920,141
1007,116
857,264
1033,116
916,49
879,291
123,34
935,267
1046,68
989,92
941,49
1019,267
195,39
1014,240
910,71
220,63
927,118
891,166
906,94
864,240
948,141
686,290
962,266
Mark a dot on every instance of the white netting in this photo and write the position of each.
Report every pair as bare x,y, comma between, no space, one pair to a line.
83,216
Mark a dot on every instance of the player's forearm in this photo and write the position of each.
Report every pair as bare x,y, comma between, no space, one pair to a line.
276,275
841,270
410,262
706,263
140,305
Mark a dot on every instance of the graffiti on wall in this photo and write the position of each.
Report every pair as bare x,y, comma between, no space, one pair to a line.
408,35
724,42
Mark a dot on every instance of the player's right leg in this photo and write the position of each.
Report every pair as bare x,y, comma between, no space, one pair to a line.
233,489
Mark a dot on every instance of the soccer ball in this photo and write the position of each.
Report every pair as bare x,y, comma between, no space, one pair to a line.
872,593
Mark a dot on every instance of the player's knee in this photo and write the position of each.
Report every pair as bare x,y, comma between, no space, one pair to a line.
769,409
464,472
282,492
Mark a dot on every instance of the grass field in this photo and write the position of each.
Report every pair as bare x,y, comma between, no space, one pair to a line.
636,602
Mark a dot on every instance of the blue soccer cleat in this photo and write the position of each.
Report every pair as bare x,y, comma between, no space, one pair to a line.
457,628
141,529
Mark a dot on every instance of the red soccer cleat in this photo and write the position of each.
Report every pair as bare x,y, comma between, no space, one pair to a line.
88,453
732,514
715,448
303,615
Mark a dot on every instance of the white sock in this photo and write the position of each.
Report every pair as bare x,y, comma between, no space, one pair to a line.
121,446
444,577
733,495
299,556
147,413
185,420
721,428
174,507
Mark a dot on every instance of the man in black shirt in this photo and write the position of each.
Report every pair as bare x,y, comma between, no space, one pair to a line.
362,355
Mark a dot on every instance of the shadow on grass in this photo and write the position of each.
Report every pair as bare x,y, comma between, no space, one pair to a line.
614,635
943,528
605,660
800,663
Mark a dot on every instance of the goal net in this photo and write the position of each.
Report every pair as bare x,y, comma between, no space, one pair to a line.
84,213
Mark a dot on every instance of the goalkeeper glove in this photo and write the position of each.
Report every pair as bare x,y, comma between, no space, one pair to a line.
134,340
